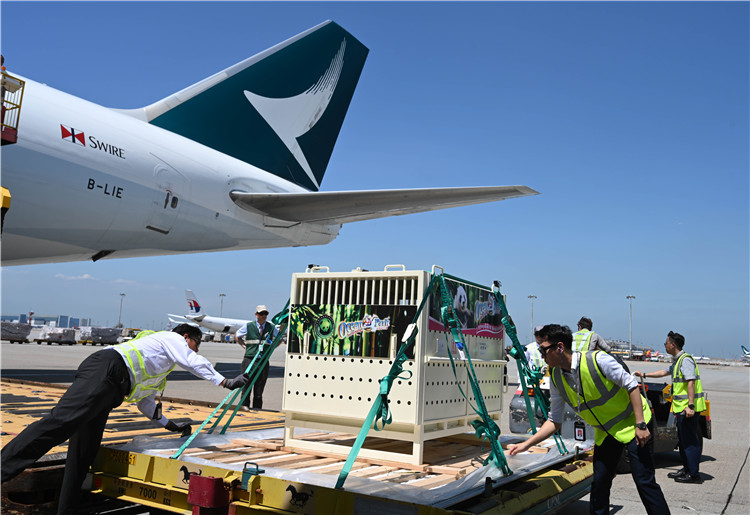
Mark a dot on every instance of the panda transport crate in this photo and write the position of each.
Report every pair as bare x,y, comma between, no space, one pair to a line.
345,330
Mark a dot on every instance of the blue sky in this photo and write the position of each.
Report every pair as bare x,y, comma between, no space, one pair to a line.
630,118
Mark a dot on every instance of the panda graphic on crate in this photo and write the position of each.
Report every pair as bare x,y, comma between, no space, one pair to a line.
461,308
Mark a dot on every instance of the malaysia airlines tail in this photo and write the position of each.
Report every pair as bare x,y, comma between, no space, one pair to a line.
197,316
194,308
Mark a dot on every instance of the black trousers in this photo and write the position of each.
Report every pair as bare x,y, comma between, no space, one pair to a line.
606,457
259,385
691,442
100,385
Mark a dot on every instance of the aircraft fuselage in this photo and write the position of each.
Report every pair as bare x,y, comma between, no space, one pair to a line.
86,180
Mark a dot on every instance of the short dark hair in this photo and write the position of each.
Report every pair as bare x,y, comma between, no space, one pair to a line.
677,339
553,333
190,330
586,323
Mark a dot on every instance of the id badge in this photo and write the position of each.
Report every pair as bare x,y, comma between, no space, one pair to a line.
580,431
157,411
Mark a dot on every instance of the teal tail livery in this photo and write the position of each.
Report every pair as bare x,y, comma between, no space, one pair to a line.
745,353
233,162
280,110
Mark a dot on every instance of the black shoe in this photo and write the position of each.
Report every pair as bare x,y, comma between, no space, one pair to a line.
673,475
687,478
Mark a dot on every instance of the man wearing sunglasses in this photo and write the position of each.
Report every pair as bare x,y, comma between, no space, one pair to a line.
133,371
608,398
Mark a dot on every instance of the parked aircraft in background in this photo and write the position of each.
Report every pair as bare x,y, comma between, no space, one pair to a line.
232,162
745,353
196,316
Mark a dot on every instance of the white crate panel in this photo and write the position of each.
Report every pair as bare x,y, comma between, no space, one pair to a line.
490,379
345,386
441,397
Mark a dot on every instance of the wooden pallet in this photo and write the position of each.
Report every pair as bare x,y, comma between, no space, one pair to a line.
21,404
446,459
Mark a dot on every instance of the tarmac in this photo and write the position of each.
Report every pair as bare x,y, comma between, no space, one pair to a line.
724,466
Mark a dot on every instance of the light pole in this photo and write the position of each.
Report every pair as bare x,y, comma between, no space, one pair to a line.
630,299
119,318
221,298
532,297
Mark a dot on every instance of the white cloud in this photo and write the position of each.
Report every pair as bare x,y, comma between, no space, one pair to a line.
123,281
84,277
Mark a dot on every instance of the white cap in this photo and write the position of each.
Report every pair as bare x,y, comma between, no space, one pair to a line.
261,308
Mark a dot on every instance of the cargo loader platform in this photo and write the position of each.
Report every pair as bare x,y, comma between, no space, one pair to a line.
135,465
253,472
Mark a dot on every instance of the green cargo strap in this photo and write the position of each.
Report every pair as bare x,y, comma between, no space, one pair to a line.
380,409
262,356
525,372
485,427
277,319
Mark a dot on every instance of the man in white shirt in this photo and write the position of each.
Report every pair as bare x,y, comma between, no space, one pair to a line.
134,371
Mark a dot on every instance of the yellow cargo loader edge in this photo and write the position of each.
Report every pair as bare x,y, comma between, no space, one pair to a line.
228,478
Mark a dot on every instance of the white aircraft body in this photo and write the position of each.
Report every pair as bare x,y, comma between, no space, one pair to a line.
232,162
197,317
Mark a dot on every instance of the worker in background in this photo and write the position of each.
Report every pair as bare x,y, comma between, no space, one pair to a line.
533,356
608,398
586,339
688,400
249,337
134,371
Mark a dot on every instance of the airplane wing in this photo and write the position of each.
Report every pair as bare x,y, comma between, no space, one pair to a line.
179,319
339,207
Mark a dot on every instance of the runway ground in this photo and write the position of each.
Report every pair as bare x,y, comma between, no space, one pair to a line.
724,467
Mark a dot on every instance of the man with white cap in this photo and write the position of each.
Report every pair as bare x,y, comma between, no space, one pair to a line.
249,337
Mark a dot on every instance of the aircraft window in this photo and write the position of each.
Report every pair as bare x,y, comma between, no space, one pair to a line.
174,202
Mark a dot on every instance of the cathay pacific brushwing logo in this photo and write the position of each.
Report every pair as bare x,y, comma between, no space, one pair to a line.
294,116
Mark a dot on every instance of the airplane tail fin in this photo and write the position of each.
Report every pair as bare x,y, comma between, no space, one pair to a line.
744,349
194,308
280,110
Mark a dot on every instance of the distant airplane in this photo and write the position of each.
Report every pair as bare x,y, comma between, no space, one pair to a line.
197,317
745,353
234,161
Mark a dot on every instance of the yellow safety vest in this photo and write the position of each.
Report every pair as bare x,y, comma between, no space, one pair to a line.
581,340
603,404
145,384
679,387
535,355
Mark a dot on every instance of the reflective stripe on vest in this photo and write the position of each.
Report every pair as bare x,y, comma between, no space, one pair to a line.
252,346
604,405
145,384
581,340
536,356
680,398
